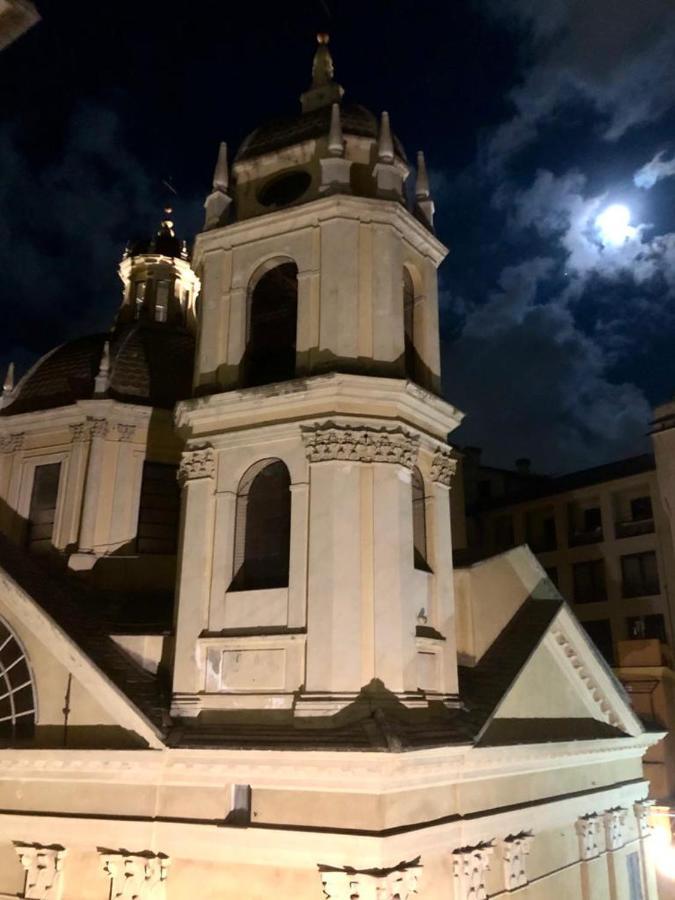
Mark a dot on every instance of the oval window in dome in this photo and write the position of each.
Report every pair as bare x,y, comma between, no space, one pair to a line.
284,189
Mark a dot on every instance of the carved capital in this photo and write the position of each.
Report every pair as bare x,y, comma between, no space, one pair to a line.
10,443
397,883
360,444
195,464
136,876
44,870
469,867
443,467
125,432
515,849
615,827
588,828
79,432
98,428
642,810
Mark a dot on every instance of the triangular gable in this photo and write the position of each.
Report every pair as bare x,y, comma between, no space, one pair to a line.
566,678
22,607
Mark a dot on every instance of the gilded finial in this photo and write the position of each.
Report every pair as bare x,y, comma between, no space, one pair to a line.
322,67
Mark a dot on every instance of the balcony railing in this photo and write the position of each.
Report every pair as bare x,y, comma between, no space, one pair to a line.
580,538
633,527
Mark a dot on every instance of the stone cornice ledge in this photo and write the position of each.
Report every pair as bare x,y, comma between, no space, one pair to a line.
321,396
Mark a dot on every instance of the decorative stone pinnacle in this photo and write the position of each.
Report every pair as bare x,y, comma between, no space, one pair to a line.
102,380
221,176
335,141
385,144
8,384
422,184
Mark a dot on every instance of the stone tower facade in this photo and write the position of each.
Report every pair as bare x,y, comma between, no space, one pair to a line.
318,354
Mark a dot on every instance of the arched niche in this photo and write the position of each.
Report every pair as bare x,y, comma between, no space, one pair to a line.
272,323
263,527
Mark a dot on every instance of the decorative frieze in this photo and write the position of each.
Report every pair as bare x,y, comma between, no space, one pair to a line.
10,443
360,444
443,467
515,849
125,432
642,810
615,827
44,870
136,876
588,829
470,866
397,883
195,464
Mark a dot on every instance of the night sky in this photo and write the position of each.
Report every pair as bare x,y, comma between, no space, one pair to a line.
535,116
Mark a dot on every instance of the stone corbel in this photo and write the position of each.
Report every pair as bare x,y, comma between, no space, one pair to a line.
44,870
615,827
470,866
197,463
642,810
397,883
443,467
588,828
10,443
515,849
136,876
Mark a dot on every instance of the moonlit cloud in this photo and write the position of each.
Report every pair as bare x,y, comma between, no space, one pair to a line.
656,169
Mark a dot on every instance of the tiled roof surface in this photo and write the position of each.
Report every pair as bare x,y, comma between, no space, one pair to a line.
151,364
289,130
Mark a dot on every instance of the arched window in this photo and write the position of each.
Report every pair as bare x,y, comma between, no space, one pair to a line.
409,325
419,519
263,528
17,697
272,326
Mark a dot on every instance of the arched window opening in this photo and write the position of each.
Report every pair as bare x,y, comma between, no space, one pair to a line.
272,326
419,519
263,528
17,696
409,325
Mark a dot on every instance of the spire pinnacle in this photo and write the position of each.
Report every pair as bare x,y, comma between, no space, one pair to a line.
221,178
422,184
385,144
102,380
335,141
8,384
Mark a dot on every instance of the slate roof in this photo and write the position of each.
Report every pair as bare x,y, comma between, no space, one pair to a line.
72,605
151,364
286,131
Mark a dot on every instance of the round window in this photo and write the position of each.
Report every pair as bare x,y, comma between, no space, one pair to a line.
284,189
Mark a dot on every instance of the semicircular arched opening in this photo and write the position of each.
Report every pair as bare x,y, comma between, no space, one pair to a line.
17,691
272,326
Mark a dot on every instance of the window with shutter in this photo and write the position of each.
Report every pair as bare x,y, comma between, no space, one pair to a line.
272,327
419,515
42,512
263,528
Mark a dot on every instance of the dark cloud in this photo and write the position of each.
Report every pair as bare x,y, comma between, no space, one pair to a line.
614,54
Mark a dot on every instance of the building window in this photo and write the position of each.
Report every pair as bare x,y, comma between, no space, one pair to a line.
635,516
409,350
541,531
419,518
589,581
159,510
600,632
42,512
162,301
504,537
139,298
652,626
640,574
272,327
263,528
641,509
17,697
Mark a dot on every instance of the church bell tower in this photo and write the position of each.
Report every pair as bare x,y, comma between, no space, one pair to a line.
316,552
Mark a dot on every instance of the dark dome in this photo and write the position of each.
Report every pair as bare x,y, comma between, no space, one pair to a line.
150,364
161,244
284,132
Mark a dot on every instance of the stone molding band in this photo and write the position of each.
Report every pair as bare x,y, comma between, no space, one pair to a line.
363,444
100,428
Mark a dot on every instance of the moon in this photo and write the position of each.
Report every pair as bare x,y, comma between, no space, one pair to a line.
614,225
